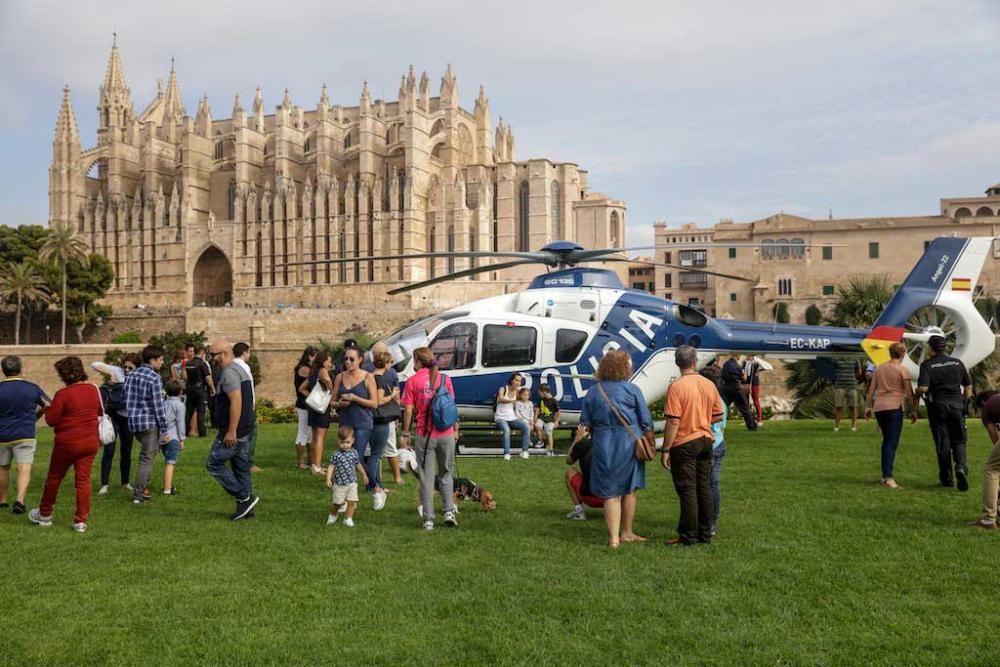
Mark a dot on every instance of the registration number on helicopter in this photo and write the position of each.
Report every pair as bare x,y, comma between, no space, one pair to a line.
809,343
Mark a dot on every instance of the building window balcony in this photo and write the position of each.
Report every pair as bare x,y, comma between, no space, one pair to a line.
693,280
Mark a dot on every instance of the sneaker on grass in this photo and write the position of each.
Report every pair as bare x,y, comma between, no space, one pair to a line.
524,454
349,522
80,527
35,517
578,514
506,457
331,519
428,525
378,500
245,506
104,490
19,507
450,520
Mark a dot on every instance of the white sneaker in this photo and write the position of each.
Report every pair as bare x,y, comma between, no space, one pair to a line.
128,488
80,527
577,515
428,525
331,519
378,500
836,429
35,516
450,520
525,454
103,491
506,457
349,522
854,428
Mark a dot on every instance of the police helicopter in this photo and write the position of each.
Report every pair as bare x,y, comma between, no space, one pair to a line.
557,330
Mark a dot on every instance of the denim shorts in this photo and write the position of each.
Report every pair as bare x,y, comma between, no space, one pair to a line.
171,451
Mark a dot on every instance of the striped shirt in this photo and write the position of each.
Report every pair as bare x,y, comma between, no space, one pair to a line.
144,400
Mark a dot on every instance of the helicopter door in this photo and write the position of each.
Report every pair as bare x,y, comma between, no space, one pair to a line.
455,347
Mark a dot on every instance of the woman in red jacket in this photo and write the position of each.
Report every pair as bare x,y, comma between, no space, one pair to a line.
73,415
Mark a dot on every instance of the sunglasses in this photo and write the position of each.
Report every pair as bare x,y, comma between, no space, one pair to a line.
130,368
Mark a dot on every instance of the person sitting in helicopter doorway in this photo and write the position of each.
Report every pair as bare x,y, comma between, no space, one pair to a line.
845,391
731,389
945,384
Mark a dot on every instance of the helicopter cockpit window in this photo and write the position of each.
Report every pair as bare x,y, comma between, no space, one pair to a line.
455,347
689,316
407,338
509,346
569,345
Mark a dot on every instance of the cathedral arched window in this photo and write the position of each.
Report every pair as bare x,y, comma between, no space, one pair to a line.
555,192
615,235
308,145
781,249
218,150
767,249
798,249
437,127
232,200
347,141
523,220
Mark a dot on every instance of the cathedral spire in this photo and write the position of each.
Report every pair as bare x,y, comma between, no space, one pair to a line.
324,99
425,92
366,99
286,101
114,106
203,119
449,89
411,81
239,117
237,107
173,105
66,128
258,110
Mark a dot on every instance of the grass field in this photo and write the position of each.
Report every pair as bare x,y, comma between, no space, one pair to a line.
814,563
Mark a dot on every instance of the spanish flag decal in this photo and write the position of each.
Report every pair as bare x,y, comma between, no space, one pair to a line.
961,284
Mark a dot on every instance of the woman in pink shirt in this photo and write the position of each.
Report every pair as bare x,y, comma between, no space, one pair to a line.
888,390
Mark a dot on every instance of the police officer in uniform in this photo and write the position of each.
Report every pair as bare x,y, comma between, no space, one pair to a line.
199,386
945,384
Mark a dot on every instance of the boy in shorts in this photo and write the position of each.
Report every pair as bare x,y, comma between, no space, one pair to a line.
342,477
176,424
546,417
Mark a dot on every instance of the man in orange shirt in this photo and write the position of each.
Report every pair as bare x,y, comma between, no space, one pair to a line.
693,404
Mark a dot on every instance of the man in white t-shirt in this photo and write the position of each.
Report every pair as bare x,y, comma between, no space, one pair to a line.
241,357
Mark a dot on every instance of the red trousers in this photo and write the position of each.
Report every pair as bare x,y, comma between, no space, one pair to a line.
81,458
755,394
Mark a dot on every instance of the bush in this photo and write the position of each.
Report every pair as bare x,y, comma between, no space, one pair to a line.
114,356
267,413
126,338
780,312
656,409
336,349
172,343
816,406
814,316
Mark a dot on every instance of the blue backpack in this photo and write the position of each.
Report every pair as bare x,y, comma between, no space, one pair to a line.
443,411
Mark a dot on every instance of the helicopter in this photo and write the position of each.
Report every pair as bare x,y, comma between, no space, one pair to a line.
557,330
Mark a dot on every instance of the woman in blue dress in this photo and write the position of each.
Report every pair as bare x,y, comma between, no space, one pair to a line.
615,472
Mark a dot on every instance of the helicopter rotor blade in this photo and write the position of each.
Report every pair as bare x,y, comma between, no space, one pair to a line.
677,266
537,257
460,274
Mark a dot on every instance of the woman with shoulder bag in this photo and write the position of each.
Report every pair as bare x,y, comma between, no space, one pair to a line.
73,415
356,397
387,413
303,438
319,420
616,474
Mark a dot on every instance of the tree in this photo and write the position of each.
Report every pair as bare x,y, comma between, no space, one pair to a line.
861,301
814,316
64,247
173,344
780,313
20,281
88,283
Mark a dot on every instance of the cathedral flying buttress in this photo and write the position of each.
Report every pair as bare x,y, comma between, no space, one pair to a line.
204,211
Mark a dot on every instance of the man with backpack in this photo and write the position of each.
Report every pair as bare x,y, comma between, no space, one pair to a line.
430,396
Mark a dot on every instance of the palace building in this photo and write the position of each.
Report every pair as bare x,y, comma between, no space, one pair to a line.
199,211
800,261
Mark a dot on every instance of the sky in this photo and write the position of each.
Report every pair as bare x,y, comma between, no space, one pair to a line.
687,111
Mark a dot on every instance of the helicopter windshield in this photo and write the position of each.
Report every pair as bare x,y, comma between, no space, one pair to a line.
405,340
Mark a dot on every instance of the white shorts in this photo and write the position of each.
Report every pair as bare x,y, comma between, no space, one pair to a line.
547,427
408,461
305,434
390,451
23,453
343,493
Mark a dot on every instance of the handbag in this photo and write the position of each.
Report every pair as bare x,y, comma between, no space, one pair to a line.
387,412
105,427
645,444
319,398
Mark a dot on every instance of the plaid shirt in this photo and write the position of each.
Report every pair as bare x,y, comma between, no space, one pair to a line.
144,400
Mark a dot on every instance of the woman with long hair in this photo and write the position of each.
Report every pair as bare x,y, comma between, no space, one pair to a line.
73,415
112,392
319,372
303,438
506,419
356,396
616,474
386,392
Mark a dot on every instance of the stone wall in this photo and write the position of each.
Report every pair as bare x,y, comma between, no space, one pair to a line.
38,360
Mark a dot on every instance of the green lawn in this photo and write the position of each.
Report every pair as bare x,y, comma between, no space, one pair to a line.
814,563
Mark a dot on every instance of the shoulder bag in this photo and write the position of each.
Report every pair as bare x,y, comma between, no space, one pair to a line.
645,444
319,397
387,412
105,427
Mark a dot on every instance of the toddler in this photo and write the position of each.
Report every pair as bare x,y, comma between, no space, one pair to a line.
524,409
546,417
174,407
342,477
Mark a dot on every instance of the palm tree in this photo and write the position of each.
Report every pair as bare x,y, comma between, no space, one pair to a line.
63,245
861,301
23,282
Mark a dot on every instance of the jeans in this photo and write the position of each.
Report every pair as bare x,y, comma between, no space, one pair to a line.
236,482
691,469
149,443
195,399
948,425
362,438
171,452
890,422
525,430
718,453
108,457
733,395
373,462
439,450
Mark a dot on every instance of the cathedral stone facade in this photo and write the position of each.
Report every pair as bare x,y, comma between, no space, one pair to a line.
206,212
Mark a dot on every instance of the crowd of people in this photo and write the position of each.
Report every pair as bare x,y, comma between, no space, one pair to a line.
360,396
